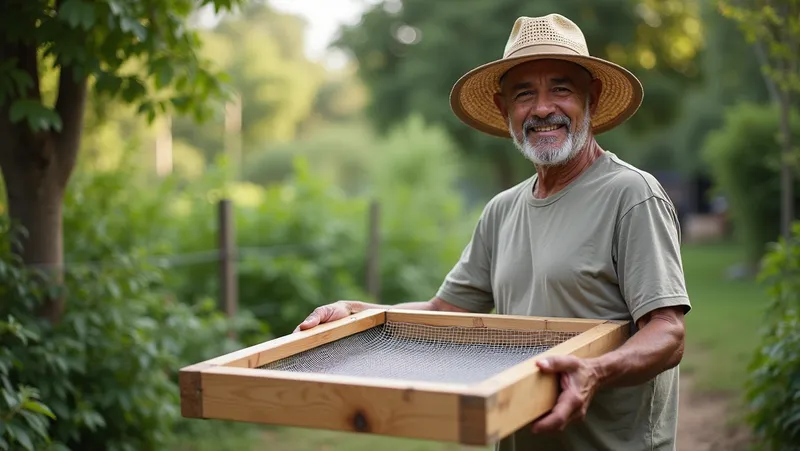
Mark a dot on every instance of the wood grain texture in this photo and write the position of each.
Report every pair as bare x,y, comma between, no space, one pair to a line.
509,322
392,408
523,393
288,345
472,420
229,387
191,389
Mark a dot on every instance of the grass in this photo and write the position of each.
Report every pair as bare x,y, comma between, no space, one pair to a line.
292,439
722,328
722,333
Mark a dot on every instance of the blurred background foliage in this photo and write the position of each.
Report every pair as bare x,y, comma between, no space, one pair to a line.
317,146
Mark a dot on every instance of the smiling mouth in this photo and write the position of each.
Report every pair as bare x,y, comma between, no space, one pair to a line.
546,128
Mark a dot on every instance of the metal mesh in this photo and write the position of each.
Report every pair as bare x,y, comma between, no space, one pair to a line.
418,352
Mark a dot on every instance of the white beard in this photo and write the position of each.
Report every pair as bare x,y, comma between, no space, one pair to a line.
545,153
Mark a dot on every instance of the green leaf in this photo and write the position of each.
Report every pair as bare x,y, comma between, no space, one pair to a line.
133,89
131,25
21,436
39,117
38,407
77,13
108,83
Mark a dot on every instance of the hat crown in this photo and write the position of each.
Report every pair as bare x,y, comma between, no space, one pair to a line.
549,30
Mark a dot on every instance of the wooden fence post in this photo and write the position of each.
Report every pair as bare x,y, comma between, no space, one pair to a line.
373,253
227,263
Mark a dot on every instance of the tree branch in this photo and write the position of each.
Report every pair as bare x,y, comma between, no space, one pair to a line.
17,138
6,130
70,107
27,61
761,56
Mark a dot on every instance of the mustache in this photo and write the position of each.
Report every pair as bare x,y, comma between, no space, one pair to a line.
553,119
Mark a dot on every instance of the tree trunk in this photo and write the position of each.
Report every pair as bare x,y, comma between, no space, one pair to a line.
783,99
787,169
34,202
36,166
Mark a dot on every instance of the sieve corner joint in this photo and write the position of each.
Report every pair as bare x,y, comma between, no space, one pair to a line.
472,413
190,380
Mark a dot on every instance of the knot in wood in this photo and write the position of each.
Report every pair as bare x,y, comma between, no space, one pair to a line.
360,423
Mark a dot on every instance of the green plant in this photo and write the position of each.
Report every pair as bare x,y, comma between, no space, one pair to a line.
744,157
108,370
24,418
303,242
773,389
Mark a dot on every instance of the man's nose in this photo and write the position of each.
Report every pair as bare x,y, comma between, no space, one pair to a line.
543,106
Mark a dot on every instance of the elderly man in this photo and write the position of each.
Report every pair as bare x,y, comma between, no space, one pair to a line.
587,236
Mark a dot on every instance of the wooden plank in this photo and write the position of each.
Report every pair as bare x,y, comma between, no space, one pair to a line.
288,345
392,408
230,388
523,393
191,389
472,421
510,322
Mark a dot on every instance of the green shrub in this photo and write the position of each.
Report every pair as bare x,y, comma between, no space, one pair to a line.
743,156
304,241
24,419
773,389
108,369
143,280
425,223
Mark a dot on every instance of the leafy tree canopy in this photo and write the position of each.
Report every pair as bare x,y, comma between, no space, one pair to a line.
142,52
53,54
410,53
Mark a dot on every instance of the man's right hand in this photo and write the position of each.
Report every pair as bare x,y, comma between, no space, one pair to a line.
325,314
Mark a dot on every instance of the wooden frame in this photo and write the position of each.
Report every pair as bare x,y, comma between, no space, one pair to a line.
231,387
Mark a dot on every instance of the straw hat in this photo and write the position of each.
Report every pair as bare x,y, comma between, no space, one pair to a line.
548,37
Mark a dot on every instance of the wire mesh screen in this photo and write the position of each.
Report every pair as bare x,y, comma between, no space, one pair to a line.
419,352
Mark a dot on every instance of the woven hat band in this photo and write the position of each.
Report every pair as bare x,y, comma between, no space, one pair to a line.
542,48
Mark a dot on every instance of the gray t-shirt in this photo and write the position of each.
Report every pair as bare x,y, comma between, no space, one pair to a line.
605,247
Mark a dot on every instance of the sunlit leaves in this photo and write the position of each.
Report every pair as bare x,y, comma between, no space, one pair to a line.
262,52
774,25
140,52
659,41
673,31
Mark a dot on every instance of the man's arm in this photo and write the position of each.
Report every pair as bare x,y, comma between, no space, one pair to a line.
435,304
343,309
655,348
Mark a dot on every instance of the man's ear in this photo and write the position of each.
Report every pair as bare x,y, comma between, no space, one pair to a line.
500,103
595,89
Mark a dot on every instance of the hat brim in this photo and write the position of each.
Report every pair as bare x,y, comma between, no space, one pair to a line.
472,96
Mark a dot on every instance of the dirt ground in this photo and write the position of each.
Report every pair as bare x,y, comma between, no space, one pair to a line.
705,422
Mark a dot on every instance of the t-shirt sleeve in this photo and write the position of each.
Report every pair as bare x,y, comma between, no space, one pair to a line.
468,284
649,266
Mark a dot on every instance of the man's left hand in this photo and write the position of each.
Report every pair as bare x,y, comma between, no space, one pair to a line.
579,381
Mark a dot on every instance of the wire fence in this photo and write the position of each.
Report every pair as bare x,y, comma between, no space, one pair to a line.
189,258
228,255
